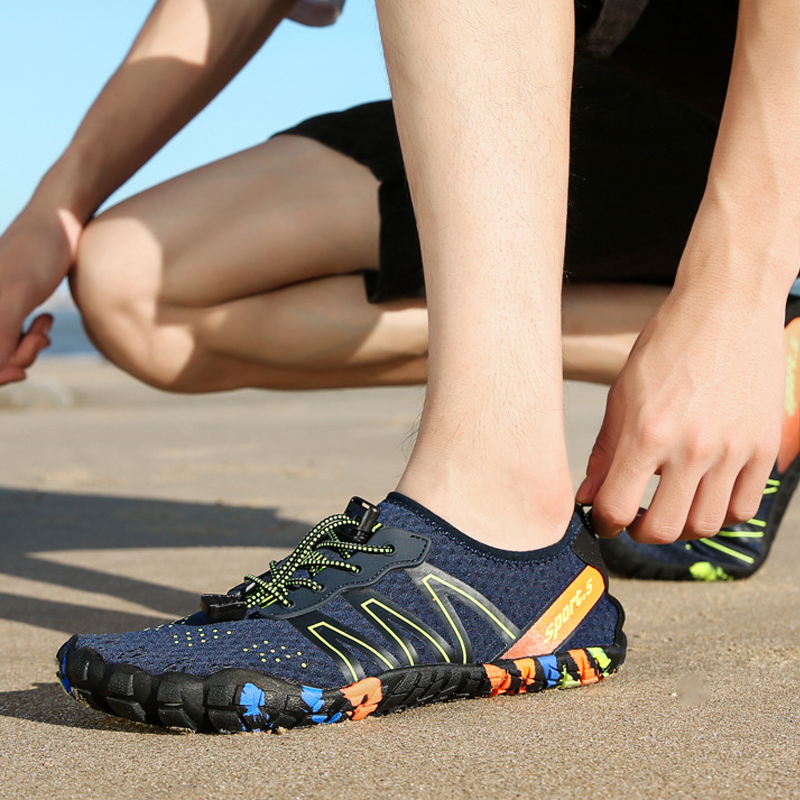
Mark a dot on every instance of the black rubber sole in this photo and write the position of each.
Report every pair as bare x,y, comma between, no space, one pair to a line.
235,700
627,562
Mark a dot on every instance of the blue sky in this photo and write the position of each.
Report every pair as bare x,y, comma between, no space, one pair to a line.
55,55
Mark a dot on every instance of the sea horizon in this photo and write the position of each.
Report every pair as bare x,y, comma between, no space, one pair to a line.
67,336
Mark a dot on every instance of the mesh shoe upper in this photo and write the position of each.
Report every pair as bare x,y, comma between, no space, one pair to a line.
462,600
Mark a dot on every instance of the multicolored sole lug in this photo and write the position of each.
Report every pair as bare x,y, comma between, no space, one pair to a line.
236,700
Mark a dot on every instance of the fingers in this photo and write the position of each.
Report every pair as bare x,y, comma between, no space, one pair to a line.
27,350
617,503
33,342
748,492
12,318
11,374
602,455
616,477
686,504
709,510
9,337
706,483
695,500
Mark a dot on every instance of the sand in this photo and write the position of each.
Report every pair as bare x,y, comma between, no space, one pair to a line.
119,505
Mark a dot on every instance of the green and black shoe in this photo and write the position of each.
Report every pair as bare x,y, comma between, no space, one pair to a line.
735,552
738,551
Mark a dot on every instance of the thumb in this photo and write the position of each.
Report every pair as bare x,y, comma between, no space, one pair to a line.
602,455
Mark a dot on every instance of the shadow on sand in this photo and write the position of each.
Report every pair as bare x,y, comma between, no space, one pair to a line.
32,523
40,522
47,703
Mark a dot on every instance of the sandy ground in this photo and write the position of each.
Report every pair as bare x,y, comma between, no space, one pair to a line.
119,505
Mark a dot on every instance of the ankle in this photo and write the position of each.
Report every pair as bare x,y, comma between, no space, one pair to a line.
508,511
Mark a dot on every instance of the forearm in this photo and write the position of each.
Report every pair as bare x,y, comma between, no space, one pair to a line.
699,400
187,51
747,234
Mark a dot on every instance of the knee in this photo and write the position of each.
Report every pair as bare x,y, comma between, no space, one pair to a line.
116,283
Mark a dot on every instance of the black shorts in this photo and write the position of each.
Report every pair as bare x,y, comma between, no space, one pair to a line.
644,124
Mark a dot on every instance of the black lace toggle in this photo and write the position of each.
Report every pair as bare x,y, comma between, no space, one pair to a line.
366,515
224,607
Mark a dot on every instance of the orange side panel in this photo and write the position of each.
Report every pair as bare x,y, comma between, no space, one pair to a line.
790,434
561,619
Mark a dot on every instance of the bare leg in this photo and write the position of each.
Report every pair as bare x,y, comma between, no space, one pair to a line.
236,275
600,325
324,334
313,335
482,93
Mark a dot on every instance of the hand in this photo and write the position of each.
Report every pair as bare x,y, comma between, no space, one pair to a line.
36,253
699,404
31,343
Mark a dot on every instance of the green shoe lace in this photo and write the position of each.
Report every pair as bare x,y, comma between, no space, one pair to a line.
274,586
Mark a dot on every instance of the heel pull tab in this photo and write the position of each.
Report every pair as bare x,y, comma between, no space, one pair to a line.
586,545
